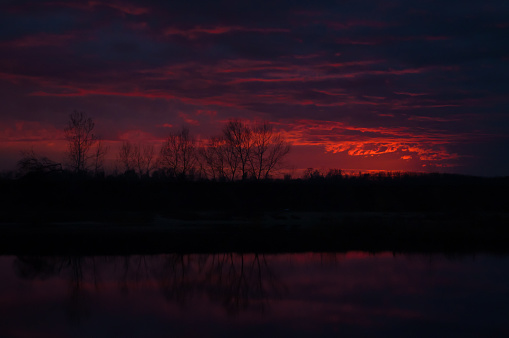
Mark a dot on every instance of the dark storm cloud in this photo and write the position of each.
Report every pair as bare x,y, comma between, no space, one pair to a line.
428,67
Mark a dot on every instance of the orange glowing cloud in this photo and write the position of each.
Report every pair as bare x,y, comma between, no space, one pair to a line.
338,137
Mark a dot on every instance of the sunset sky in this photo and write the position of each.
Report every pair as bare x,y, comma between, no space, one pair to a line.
365,85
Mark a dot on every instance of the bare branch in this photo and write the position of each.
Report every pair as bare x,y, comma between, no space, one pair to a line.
99,155
269,150
125,157
178,155
80,139
30,162
244,151
239,140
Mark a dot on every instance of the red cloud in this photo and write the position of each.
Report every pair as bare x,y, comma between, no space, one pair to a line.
120,6
188,119
433,118
29,131
210,113
410,94
194,32
136,136
199,83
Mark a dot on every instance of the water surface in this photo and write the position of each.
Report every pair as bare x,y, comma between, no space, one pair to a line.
310,294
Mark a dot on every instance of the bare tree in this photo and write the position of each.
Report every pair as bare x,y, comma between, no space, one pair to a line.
136,157
218,160
239,139
98,158
178,155
210,159
244,151
143,159
80,140
268,151
125,157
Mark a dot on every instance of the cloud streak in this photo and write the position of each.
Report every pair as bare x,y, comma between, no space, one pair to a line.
425,85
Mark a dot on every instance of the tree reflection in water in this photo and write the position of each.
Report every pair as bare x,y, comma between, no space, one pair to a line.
75,268
302,294
236,281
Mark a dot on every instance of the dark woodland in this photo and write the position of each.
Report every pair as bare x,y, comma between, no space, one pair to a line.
224,195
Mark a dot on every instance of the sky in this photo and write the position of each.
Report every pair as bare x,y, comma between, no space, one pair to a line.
364,85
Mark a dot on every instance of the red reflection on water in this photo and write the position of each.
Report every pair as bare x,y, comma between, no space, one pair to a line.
233,294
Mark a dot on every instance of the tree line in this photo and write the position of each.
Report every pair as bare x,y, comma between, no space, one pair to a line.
242,151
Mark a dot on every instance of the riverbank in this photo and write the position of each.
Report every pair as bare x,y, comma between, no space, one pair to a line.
275,232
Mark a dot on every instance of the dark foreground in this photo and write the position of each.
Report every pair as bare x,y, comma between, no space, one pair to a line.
275,232
64,213
352,294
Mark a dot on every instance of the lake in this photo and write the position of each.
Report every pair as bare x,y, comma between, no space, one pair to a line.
253,295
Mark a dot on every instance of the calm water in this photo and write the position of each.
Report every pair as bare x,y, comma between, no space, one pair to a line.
353,294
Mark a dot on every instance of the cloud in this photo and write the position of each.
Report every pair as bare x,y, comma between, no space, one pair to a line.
120,6
337,137
38,40
432,118
188,119
193,33
29,131
393,81
136,135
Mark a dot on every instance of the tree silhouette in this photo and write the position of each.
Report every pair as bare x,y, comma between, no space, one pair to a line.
239,138
125,157
244,151
30,162
218,160
98,157
144,159
268,150
178,155
80,140
136,157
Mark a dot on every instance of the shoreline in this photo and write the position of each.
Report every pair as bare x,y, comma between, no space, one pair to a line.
269,232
